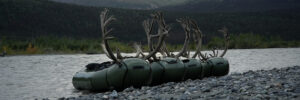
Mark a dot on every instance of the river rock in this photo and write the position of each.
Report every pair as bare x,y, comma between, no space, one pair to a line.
114,94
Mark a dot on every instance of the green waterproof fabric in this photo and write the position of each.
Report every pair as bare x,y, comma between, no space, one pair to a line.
90,80
116,75
138,72
98,80
220,66
193,69
206,69
157,71
174,69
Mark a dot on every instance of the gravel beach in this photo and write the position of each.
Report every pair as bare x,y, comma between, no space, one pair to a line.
275,84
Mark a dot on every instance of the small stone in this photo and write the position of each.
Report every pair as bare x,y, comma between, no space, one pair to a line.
71,98
105,96
138,93
270,74
234,90
166,89
114,94
258,96
236,82
192,89
62,98
267,87
267,97
181,88
130,97
297,90
295,96
277,85
206,90
149,92
157,97
129,89
145,88
187,92
288,90
183,97
176,87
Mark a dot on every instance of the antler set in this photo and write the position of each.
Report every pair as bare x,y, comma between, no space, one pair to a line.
189,26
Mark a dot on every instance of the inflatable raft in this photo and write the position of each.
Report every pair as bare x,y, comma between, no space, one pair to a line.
147,68
138,72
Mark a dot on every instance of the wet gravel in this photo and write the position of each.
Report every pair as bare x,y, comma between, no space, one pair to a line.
275,84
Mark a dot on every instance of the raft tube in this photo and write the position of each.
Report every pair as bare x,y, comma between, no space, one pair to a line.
138,72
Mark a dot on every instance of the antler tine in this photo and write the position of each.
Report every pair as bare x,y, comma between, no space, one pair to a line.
105,21
214,51
211,55
198,35
203,59
162,32
138,50
224,30
163,27
217,53
119,56
161,51
165,49
186,26
148,26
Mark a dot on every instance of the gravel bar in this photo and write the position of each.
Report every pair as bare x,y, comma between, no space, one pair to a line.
275,84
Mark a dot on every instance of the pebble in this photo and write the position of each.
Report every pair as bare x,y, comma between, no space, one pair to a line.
114,94
105,96
187,92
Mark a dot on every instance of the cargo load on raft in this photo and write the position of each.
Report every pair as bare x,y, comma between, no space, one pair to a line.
150,69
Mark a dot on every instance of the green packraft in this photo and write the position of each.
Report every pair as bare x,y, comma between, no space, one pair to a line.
137,72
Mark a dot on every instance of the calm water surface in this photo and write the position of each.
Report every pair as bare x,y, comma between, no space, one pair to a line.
50,76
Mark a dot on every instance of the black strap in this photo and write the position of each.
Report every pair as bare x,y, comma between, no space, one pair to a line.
107,82
125,75
149,81
163,73
202,72
211,68
185,71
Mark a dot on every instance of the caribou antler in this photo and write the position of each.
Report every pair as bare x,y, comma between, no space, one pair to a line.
215,52
139,51
105,21
162,24
198,39
185,23
224,30
148,27
163,30
165,50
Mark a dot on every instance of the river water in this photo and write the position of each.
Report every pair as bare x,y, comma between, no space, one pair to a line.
50,76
